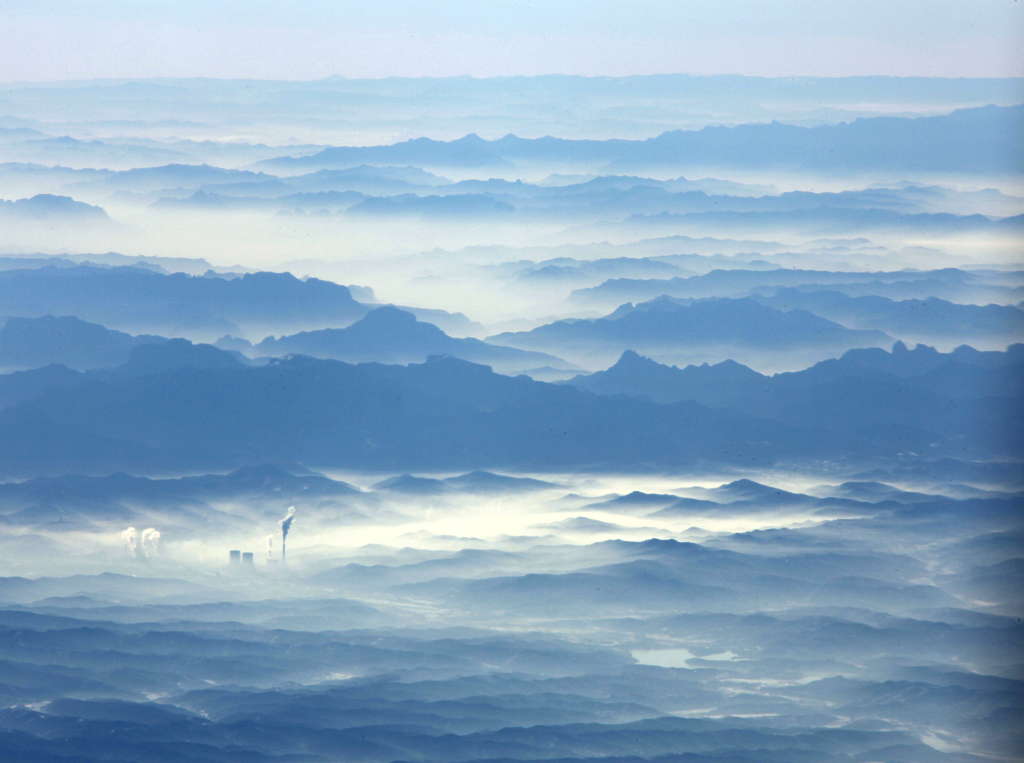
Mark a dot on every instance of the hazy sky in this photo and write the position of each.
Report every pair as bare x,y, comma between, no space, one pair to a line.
305,39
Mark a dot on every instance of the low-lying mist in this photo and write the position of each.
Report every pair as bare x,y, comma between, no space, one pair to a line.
354,420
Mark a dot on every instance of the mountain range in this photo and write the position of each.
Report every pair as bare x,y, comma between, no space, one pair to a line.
32,342
391,335
971,140
178,406
49,209
671,325
741,282
932,317
179,304
905,392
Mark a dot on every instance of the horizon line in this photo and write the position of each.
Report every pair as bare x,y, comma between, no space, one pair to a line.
560,75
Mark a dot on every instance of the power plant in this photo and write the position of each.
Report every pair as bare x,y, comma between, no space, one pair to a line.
237,556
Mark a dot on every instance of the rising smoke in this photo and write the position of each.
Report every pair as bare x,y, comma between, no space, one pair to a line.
150,543
144,545
286,526
130,538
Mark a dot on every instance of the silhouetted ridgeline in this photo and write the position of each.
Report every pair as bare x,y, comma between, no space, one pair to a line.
178,406
969,140
27,343
390,335
207,306
741,282
47,208
666,322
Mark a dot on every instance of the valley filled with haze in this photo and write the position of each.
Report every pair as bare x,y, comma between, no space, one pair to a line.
641,419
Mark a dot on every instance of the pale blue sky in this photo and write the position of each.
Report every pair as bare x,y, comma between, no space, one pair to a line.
307,39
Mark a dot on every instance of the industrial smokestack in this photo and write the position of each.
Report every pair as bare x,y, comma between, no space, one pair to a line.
286,526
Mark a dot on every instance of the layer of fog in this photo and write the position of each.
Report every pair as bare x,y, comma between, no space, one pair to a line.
392,521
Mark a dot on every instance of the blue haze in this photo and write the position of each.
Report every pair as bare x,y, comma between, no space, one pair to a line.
634,419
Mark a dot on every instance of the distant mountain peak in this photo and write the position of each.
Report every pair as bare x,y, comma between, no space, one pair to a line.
746,484
902,352
50,206
388,315
630,359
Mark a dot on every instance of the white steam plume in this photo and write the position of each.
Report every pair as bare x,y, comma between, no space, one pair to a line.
150,542
130,538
